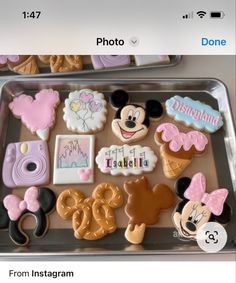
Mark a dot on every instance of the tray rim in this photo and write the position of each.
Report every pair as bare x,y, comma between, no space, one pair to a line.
42,255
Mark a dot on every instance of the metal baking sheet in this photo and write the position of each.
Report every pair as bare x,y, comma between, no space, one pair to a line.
88,69
158,239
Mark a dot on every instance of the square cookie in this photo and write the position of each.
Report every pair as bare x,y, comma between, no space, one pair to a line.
74,159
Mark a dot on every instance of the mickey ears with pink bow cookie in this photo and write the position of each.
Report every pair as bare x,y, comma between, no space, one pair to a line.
198,207
38,202
37,114
85,111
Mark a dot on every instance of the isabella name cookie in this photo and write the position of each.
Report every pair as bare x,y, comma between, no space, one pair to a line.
110,61
37,114
85,111
132,121
198,207
177,148
194,113
126,160
26,164
38,202
92,217
74,159
144,205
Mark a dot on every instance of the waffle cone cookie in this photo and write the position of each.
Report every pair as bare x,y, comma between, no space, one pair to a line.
26,67
173,166
178,148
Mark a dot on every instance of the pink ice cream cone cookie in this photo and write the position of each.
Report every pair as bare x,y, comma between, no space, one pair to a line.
38,114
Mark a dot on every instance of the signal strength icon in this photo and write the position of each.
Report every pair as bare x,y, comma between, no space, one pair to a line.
201,14
188,16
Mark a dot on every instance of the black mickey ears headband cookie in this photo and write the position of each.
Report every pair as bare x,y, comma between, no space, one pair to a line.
38,202
198,207
132,121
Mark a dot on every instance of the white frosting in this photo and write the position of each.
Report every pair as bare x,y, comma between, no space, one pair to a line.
85,111
126,160
74,159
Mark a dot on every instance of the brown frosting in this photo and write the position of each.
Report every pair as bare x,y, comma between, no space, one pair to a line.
144,204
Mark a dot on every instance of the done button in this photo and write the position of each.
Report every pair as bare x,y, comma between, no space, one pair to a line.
213,42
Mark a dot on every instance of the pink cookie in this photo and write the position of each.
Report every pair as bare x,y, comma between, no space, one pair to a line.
38,114
110,61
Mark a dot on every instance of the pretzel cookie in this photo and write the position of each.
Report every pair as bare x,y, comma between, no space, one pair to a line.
92,217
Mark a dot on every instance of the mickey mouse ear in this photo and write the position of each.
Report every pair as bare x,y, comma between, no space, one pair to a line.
154,109
119,98
225,215
4,219
181,186
47,199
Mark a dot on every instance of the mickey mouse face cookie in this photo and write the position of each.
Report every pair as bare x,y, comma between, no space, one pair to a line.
198,207
132,121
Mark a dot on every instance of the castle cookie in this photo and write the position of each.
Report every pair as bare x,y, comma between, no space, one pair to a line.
126,160
88,213
198,207
26,164
74,159
144,205
145,60
177,148
194,113
85,111
38,202
131,122
110,61
37,114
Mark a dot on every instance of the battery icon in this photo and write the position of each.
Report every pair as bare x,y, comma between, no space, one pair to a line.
217,15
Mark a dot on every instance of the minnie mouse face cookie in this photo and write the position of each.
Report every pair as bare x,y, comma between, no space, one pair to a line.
85,111
198,207
131,122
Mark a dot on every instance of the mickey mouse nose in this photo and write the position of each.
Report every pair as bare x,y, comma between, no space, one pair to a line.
191,226
130,124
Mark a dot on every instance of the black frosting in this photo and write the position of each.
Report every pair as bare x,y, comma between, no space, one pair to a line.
154,108
119,98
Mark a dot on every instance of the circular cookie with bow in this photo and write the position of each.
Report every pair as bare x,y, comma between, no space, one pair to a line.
198,207
92,217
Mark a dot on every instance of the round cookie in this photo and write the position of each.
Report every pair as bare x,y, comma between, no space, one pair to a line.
85,111
198,207
131,122
38,202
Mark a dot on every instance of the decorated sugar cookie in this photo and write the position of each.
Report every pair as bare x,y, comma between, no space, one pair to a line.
131,122
85,111
198,207
26,164
38,202
177,148
126,160
93,217
144,205
194,113
74,159
110,61
37,114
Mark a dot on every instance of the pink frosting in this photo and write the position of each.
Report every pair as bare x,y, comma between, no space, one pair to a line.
176,139
85,174
11,58
15,205
38,113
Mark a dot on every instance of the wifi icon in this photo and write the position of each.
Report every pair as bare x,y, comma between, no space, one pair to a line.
201,14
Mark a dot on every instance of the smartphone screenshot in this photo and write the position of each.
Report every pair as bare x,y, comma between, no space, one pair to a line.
117,133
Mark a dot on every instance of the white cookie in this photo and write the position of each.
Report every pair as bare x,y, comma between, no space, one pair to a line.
85,111
126,160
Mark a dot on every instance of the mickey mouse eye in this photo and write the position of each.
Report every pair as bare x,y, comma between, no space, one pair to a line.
192,214
130,114
136,116
198,218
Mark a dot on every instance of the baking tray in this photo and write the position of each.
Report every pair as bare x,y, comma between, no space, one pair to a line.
88,69
158,239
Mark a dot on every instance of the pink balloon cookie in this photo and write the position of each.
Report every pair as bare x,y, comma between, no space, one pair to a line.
38,114
85,111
